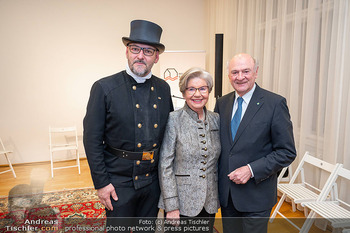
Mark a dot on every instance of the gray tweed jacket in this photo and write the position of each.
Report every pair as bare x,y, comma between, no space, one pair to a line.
188,163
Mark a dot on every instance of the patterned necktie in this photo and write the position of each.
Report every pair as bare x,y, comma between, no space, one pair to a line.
236,118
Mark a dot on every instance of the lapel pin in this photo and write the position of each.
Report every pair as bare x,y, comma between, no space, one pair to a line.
257,103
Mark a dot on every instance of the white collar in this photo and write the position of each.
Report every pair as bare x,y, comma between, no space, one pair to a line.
247,96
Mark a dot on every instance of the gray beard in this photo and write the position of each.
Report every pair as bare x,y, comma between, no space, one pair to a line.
141,74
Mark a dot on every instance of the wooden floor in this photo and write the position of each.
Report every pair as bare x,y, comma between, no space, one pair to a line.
38,175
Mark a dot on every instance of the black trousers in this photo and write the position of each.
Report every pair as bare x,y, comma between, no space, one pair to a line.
234,221
135,210
203,222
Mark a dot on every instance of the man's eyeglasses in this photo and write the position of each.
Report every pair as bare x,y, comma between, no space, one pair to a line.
136,50
193,90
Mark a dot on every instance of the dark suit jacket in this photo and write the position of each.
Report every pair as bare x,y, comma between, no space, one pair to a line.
264,140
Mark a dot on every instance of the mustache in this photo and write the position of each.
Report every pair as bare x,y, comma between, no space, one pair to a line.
139,61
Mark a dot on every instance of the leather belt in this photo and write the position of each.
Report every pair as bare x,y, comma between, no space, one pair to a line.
131,155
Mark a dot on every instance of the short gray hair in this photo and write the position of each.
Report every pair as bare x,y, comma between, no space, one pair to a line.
195,72
256,63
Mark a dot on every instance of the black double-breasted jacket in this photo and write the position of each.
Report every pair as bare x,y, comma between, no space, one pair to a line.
125,115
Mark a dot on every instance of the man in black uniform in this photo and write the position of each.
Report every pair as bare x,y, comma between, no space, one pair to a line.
124,126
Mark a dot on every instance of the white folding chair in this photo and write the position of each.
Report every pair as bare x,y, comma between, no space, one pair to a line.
282,177
63,139
5,152
336,211
304,191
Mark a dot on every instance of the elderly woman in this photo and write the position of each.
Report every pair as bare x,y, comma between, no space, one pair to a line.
189,153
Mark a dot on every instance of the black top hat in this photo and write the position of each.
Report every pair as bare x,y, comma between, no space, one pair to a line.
145,32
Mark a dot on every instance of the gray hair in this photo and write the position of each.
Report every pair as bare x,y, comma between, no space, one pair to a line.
256,64
195,72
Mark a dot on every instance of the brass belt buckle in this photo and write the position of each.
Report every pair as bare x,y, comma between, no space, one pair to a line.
147,155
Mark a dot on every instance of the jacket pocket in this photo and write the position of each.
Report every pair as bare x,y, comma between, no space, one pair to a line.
183,179
215,136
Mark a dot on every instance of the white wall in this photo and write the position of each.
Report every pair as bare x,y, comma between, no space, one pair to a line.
51,52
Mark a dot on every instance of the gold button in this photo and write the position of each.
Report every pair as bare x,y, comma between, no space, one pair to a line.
147,174
155,144
138,162
154,106
136,177
204,162
139,145
203,176
152,88
203,169
134,88
137,106
203,141
205,149
139,125
152,161
205,156
155,126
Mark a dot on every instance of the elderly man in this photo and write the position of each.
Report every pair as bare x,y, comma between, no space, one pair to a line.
257,141
124,126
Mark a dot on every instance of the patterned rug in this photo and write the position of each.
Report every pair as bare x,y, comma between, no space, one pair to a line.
60,211
76,210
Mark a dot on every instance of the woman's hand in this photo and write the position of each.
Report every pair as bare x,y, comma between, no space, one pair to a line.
174,217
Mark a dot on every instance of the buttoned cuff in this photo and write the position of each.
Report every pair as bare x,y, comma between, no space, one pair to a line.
251,171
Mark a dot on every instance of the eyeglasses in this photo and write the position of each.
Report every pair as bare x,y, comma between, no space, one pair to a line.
136,50
193,90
